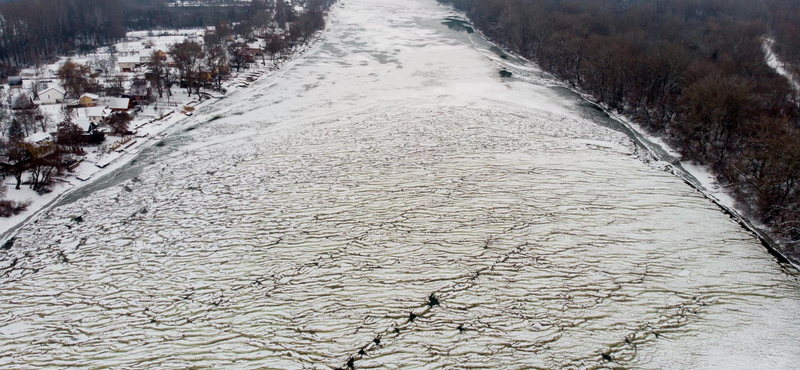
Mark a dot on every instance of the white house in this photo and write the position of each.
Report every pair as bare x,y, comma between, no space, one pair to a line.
128,64
51,95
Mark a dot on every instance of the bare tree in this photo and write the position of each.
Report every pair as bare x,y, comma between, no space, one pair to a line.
74,77
188,57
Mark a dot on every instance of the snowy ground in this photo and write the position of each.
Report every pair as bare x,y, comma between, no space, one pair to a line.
306,218
777,64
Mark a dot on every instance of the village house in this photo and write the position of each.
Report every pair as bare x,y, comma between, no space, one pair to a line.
128,64
95,115
51,95
255,48
160,54
39,144
88,100
119,104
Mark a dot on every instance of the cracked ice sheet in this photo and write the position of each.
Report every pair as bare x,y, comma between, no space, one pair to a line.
389,164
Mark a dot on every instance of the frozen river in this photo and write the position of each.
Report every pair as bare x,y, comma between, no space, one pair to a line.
390,201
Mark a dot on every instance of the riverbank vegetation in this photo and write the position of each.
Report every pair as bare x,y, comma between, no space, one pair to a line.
690,71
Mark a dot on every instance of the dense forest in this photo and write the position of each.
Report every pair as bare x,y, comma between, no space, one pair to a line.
32,31
691,71
154,14
35,29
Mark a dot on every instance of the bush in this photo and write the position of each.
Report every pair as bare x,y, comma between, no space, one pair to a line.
96,137
10,208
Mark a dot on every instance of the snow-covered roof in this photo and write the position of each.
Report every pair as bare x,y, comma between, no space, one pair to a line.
118,103
56,89
38,138
134,59
91,112
84,123
90,96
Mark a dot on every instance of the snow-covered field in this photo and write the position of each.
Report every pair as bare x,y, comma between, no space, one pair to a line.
313,215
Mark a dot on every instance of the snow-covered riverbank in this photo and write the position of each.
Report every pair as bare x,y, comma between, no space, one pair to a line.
654,149
148,131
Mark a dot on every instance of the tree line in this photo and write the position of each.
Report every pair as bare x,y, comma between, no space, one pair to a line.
35,31
691,71
155,14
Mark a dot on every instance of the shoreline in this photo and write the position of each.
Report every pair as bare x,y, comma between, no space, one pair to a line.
690,173
173,120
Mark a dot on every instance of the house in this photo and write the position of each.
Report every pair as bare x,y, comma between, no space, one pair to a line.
162,55
88,100
95,115
255,48
128,64
39,144
119,104
51,95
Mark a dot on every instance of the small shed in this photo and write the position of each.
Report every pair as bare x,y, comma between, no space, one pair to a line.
15,82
